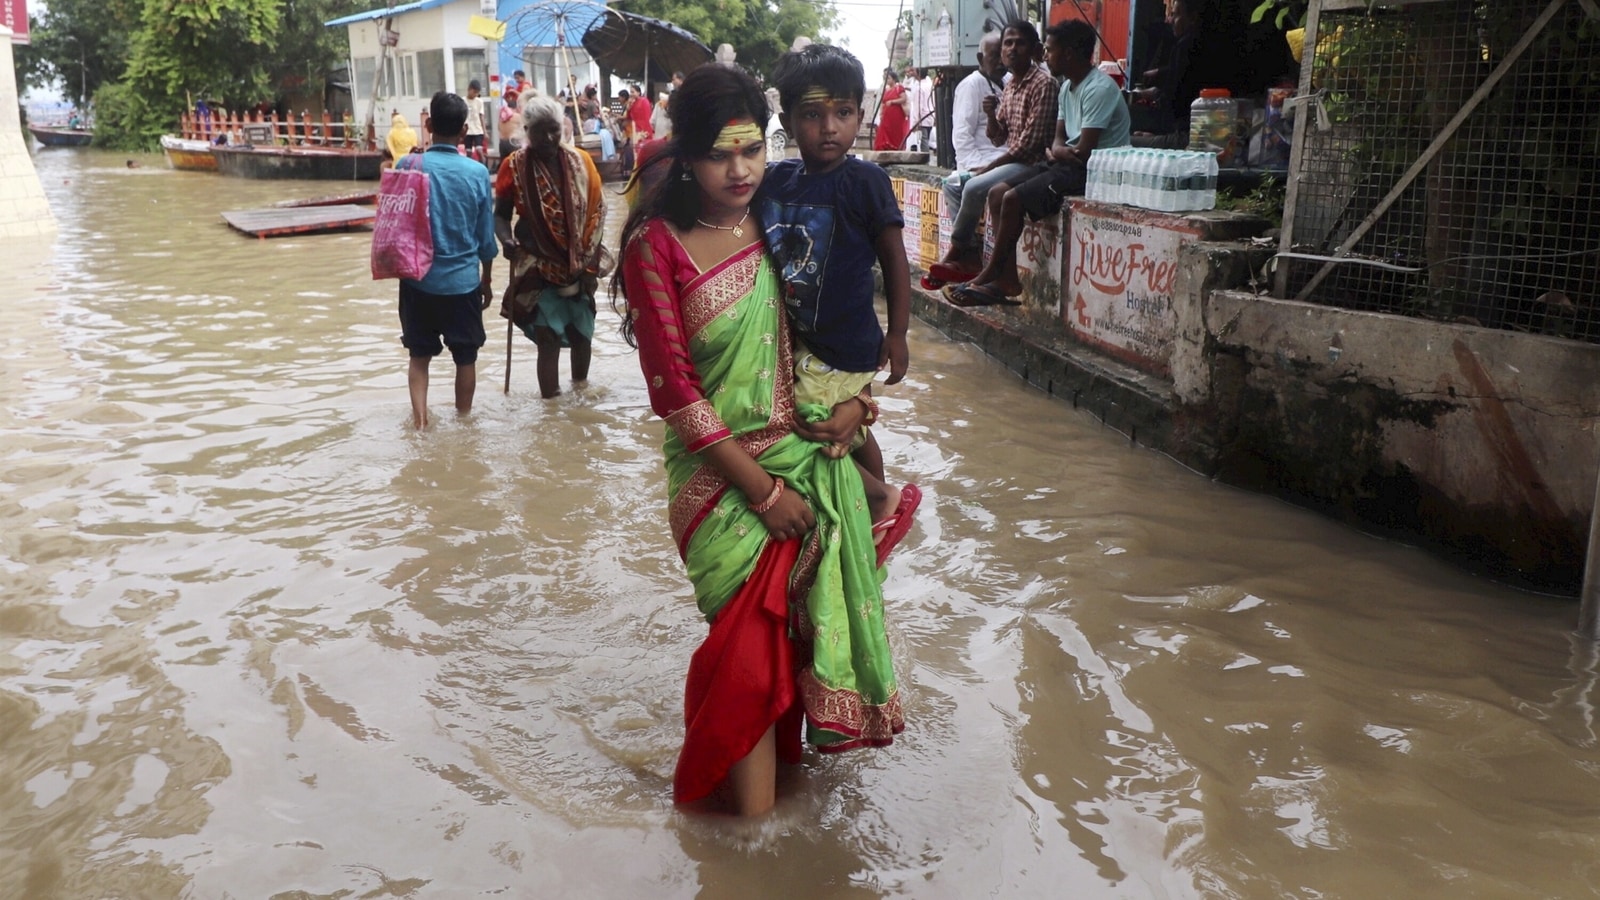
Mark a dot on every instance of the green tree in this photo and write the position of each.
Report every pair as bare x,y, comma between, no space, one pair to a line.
77,46
30,68
760,30
144,61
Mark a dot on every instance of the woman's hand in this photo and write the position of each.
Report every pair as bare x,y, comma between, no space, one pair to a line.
840,427
789,518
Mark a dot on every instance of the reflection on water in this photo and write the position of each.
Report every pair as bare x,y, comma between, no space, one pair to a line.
257,638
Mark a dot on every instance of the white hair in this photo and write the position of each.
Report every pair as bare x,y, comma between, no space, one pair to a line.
539,109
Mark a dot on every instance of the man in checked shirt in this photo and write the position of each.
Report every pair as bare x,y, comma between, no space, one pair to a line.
1024,120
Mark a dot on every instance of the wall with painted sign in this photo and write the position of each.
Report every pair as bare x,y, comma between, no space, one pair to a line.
1121,274
1039,254
14,15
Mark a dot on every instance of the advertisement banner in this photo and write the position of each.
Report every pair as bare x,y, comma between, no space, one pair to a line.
16,19
1121,273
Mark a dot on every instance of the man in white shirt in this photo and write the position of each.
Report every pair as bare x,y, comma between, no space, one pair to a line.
969,124
970,138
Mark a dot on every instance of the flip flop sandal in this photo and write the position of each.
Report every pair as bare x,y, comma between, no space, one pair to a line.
930,283
967,295
950,274
894,527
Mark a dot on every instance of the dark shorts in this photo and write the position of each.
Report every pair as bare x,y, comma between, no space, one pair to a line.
473,140
1042,195
431,322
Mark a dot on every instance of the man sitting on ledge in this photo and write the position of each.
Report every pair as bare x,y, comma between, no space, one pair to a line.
968,124
1091,115
1022,119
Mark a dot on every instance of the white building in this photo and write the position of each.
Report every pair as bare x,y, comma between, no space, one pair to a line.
435,50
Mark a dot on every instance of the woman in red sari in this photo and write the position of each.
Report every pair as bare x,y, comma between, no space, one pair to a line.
775,534
893,124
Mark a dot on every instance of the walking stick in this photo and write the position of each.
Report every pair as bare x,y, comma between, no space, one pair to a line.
508,356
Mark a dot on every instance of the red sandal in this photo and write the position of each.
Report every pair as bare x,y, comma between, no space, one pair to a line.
892,529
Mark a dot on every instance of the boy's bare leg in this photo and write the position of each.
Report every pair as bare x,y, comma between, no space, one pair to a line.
417,385
881,498
754,779
466,387
870,456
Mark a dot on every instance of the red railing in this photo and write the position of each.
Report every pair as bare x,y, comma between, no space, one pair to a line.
301,130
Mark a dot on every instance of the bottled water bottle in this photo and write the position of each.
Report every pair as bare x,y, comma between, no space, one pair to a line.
1167,199
1189,180
1097,164
1147,179
1133,188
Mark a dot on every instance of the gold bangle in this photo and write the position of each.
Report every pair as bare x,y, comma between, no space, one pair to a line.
872,408
772,498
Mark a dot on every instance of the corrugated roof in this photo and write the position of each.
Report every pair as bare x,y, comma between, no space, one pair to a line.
387,11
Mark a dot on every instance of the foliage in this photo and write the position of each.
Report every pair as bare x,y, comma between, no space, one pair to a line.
29,67
79,45
1264,200
1285,13
760,30
125,119
159,55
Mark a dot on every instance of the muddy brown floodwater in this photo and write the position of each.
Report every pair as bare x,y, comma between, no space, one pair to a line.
258,639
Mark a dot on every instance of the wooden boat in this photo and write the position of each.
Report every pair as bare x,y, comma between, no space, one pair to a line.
360,198
53,136
318,163
280,222
188,155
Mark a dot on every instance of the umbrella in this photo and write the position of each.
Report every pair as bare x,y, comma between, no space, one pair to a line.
630,44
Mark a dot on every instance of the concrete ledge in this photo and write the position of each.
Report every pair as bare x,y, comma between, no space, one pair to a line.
1039,350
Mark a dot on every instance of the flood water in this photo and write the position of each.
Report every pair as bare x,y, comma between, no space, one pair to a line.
259,639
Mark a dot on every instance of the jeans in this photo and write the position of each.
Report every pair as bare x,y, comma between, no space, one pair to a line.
968,199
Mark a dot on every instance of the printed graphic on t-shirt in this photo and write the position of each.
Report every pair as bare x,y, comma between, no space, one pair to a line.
799,237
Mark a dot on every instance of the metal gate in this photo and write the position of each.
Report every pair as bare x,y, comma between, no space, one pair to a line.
1446,163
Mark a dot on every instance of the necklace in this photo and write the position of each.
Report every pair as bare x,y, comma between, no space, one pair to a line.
737,228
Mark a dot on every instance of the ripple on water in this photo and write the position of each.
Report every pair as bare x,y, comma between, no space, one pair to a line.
257,635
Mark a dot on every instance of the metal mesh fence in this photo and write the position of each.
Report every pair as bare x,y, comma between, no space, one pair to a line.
1500,227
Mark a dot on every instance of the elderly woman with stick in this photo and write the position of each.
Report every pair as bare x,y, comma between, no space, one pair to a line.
554,246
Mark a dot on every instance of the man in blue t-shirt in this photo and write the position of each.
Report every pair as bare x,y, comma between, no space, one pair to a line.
445,308
1092,115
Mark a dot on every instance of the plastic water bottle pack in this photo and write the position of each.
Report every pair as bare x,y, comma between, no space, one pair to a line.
1163,180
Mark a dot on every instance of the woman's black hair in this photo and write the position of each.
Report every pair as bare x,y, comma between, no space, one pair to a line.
710,97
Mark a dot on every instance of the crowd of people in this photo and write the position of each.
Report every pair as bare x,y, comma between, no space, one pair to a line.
746,285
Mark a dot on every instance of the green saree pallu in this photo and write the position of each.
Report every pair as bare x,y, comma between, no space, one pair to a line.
716,355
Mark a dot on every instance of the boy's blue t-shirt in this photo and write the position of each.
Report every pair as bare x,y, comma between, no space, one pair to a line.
821,231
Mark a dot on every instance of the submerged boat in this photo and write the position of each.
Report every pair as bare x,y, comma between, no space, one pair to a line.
188,155
61,136
324,163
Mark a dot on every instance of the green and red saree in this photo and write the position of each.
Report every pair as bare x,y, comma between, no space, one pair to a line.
797,627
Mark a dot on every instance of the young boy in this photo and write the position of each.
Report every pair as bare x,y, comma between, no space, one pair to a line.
828,217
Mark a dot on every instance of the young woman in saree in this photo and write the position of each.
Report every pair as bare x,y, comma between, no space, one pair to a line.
775,535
